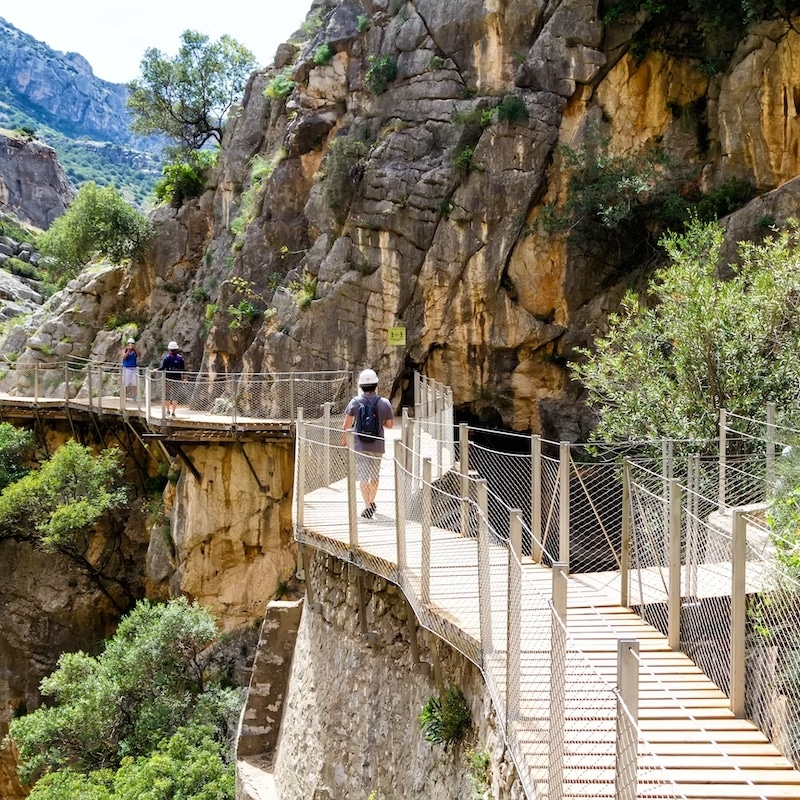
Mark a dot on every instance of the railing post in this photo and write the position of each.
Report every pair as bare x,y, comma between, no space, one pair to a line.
405,429
770,442
738,611
463,470
514,616
89,383
148,394
667,471
563,504
36,383
66,382
300,489
674,568
291,394
352,508
326,425
400,507
536,499
558,670
426,531
163,374
484,568
235,403
692,526
625,544
723,456
625,778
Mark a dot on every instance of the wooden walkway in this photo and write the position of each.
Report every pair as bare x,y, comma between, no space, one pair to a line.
690,737
108,405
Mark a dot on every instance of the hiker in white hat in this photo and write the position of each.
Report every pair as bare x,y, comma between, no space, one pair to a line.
130,362
368,414
175,367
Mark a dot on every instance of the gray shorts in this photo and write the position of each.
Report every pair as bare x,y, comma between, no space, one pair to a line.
368,466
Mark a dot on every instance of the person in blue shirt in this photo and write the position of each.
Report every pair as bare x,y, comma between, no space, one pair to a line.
175,367
130,361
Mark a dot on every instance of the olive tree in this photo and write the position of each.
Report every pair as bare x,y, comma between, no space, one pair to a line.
99,222
188,97
701,342
155,677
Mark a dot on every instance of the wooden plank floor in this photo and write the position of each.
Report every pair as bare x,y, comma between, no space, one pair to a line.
110,405
690,736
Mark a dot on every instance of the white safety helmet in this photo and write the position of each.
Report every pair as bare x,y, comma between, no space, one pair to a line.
173,345
368,377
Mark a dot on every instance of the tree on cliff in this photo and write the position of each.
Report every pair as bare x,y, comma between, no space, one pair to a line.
188,97
59,506
150,710
665,370
98,223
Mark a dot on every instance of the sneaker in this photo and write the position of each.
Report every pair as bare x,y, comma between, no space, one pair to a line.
368,512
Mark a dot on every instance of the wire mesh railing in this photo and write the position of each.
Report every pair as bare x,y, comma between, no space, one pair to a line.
453,540
209,398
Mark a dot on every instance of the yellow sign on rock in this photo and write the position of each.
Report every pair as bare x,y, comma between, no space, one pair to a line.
397,337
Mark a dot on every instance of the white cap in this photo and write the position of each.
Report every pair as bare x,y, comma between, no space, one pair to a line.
173,345
368,377
131,341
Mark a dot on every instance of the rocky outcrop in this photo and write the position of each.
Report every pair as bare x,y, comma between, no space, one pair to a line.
33,187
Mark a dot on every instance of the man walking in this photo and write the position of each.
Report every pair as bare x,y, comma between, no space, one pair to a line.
368,414
174,366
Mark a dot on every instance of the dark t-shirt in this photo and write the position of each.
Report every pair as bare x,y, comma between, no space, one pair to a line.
173,363
385,412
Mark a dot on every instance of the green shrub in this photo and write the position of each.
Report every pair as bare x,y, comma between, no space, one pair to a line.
381,73
16,230
186,177
462,160
364,23
280,86
323,54
98,223
446,718
304,291
512,109
343,167
478,767
242,315
436,62
17,266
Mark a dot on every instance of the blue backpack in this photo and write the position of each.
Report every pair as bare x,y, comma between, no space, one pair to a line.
368,423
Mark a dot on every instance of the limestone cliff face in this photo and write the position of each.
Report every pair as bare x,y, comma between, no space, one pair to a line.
388,186
404,201
32,184
228,543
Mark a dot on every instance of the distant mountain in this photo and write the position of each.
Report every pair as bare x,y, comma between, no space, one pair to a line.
58,96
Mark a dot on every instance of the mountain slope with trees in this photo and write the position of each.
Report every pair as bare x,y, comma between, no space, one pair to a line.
57,97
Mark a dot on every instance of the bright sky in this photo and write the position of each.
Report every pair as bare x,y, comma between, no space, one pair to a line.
113,34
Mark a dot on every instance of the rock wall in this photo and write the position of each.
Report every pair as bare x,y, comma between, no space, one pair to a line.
224,541
33,186
389,188
350,726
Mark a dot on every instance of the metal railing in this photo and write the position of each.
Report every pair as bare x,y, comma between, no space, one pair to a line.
569,728
211,399
703,566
